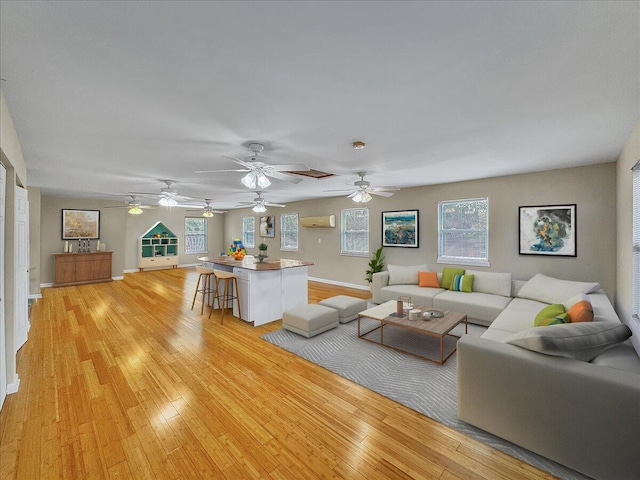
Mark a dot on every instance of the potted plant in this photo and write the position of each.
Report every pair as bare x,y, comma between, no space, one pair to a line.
263,251
376,264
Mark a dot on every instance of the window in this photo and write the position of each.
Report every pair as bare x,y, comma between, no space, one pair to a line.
249,232
354,232
289,232
195,235
463,232
635,293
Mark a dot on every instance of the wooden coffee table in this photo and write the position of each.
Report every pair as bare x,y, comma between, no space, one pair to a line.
435,327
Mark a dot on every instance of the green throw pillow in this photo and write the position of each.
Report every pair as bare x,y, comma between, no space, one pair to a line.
557,320
447,276
462,283
549,312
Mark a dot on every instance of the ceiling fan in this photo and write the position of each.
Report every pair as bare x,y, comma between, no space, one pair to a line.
206,209
168,195
134,205
259,204
257,170
363,190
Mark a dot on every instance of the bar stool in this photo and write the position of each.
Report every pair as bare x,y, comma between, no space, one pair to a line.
226,296
205,276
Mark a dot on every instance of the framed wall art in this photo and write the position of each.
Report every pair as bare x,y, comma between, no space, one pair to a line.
78,224
548,230
268,226
400,228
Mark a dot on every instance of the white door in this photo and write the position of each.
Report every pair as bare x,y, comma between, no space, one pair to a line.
3,345
21,319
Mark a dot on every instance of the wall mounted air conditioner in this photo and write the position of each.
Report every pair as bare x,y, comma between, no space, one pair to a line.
326,221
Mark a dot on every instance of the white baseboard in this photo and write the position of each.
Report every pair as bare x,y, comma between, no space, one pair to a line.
35,296
46,285
121,277
340,284
13,386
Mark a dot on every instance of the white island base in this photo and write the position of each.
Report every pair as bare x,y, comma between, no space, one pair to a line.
266,294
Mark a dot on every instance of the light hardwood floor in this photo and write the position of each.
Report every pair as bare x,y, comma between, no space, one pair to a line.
123,380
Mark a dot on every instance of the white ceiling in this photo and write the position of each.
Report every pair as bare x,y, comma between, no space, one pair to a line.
112,97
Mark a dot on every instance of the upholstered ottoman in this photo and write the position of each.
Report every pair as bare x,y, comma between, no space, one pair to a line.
310,320
348,307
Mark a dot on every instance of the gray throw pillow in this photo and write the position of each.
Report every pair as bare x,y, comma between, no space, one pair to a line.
580,341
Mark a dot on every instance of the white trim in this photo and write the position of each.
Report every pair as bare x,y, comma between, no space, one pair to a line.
463,261
13,386
121,277
340,284
46,285
35,296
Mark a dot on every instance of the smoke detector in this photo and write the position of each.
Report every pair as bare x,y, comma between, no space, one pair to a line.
358,145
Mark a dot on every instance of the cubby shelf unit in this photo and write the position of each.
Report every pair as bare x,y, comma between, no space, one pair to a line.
157,247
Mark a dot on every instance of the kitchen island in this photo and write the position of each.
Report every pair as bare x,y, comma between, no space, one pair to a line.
266,289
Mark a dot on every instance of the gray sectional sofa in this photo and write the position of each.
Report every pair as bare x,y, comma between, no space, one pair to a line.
568,392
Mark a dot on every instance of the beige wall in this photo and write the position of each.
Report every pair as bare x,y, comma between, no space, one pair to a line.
119,231
628,158
591,188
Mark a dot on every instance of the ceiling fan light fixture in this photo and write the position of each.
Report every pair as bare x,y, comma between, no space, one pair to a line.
259,208
168,202
361,197
263,181
207,214
135,210
249,180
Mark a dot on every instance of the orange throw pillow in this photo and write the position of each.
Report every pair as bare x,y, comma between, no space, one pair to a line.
428,279
581,312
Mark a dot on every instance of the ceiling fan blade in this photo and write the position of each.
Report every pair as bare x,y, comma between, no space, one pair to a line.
339,190
220,171
387,189
300,167
283,176
267,204
241,162
152,194
352,194
382,194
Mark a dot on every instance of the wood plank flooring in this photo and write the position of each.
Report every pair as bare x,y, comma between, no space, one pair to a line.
123,380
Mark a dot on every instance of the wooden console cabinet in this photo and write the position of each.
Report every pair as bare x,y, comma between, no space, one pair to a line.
79,268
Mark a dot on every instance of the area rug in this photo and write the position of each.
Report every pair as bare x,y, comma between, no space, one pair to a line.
423,386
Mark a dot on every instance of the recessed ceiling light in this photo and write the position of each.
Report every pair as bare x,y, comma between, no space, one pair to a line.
358,145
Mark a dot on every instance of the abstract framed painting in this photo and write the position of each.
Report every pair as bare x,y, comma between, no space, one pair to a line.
268,226
548,230
80,224
400,228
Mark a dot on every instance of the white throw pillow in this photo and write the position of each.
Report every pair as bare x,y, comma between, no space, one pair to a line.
491,282
580,341
554,290
405,275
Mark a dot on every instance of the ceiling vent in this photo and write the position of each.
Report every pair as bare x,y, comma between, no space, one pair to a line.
313,174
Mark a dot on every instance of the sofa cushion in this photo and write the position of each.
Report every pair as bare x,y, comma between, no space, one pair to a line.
491,282
549,312
428,279
579,341
516,317
447,276
420,296
620,357
481,308
405,274
634,325
462,283
554,290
